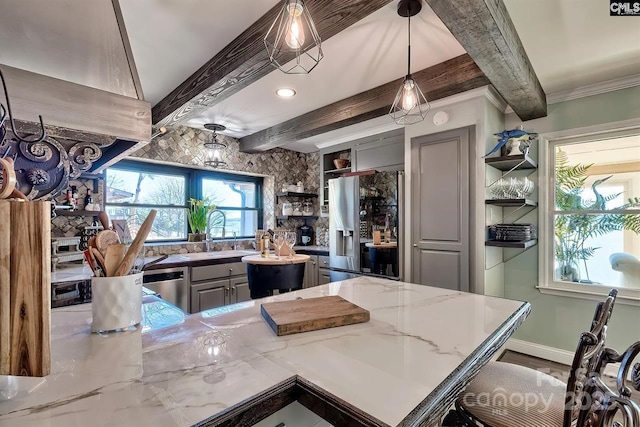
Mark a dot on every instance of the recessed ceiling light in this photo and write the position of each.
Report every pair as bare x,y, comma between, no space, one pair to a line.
286,92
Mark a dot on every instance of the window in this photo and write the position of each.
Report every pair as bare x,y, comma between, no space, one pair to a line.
591,218
134,188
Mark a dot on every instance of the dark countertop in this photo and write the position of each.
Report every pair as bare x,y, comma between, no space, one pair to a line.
200,259
312,250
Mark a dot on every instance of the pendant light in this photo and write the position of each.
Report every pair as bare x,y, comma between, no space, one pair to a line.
293,37
214,157
410,105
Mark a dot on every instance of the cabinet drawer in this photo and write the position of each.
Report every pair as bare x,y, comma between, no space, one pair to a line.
323,261
324,276
217,271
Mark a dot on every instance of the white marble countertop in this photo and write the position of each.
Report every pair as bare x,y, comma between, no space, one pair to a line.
394,368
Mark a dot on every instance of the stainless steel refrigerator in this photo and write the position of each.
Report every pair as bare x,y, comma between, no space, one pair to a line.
359,205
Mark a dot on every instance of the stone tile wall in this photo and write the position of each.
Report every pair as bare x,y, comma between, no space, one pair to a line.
185,146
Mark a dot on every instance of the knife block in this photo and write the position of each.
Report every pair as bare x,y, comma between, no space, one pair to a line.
25,288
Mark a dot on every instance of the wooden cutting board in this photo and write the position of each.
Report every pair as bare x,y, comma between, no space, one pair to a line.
304,315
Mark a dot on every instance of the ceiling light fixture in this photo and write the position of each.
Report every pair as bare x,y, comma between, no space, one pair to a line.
214,158
293,35
410,105
286,92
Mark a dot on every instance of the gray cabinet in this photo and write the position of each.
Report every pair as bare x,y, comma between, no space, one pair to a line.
208,295
323,276
217,285
311,272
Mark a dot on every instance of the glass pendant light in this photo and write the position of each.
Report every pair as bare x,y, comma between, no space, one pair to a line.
410,105
214,158
292,42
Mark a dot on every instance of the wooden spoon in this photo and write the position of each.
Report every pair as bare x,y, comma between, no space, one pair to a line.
104,239
136,246
113,258
99,259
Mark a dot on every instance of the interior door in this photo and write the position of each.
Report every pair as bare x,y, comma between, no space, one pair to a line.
440,209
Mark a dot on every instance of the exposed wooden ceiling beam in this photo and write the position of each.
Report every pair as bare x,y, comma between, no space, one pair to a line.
245,59
448,78
485,30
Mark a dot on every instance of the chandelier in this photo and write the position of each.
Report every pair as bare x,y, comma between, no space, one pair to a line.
214,147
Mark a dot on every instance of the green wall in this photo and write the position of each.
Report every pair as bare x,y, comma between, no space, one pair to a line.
557,321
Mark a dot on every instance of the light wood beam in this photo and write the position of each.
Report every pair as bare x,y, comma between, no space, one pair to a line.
485,30
445,79
245,59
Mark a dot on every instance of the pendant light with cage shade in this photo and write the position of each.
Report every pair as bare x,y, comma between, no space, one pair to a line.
214,147
410,105
292,42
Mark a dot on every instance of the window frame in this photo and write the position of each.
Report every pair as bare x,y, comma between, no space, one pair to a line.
193,189
547,211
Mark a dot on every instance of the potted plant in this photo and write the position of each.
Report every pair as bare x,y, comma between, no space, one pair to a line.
573,231
197,217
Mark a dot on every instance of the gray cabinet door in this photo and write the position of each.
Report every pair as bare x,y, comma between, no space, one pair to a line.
311,272
385,155
205,296
440,209
323,276
239,289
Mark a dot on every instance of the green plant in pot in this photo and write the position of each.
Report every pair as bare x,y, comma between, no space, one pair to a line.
197,216
573,232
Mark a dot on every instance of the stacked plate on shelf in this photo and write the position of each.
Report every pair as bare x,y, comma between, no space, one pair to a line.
513,232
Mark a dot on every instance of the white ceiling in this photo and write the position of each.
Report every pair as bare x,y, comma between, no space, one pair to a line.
370,53
575,43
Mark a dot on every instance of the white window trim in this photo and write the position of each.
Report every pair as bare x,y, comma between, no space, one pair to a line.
547,284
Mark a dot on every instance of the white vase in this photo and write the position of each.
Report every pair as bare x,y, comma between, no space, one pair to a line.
116,302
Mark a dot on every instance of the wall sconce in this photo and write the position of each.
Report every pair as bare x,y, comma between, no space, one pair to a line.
214,147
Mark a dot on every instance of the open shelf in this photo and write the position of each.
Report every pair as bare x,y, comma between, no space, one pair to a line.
506,163
67,212
510,203
524,244
284,217
295,194
338,171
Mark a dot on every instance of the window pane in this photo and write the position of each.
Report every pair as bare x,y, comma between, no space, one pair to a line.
599,175
230,194
598,249
243,223
170,223
125,186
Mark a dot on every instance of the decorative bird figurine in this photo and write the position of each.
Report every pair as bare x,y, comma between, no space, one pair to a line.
600,202
506,135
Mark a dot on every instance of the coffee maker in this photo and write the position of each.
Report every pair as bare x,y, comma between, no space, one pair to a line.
305,235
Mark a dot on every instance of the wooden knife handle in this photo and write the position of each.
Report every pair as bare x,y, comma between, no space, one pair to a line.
136,246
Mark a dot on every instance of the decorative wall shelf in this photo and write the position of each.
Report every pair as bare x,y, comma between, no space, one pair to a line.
304,217
67,212
338,171
295,194
524,244
507,163
511,203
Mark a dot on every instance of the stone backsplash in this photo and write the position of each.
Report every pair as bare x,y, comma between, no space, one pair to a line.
184,146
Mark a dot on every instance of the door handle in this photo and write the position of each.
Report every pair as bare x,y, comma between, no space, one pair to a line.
415,245
233,290
226,291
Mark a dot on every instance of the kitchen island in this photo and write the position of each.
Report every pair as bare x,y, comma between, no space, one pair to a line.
226,367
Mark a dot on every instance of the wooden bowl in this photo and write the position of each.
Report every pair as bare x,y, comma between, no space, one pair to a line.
341,163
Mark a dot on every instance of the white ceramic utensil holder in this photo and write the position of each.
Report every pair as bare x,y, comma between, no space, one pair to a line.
116,302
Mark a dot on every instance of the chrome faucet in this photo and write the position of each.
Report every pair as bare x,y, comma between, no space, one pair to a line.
223,226
235,241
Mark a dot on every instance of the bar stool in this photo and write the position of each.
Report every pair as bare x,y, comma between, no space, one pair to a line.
497,397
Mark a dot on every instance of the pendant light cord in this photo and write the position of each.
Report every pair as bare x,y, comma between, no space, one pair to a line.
409,43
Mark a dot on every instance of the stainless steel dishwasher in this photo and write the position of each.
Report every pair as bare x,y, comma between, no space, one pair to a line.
171,284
